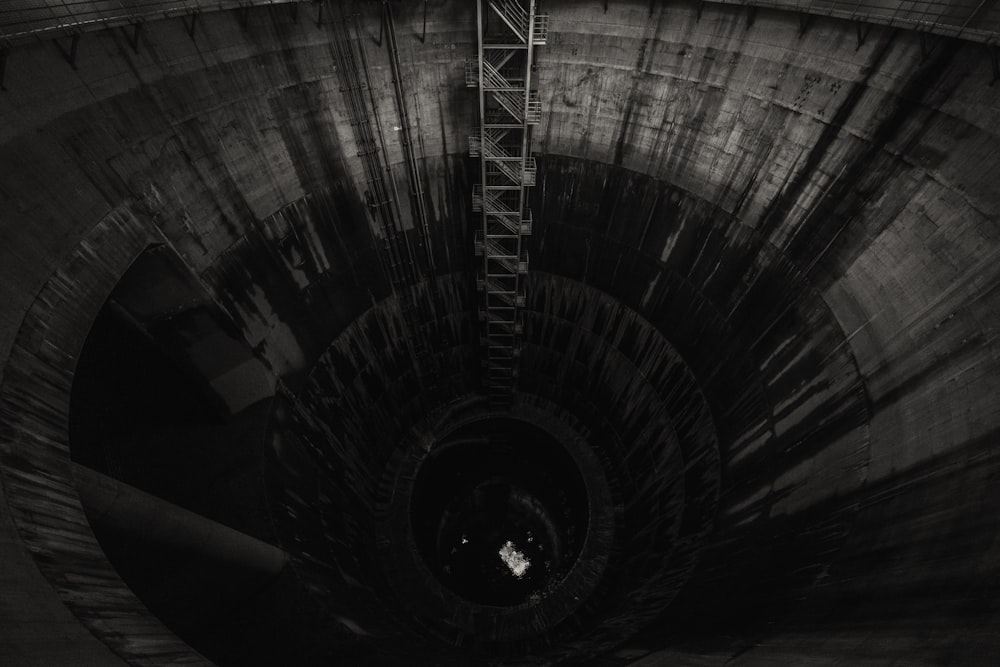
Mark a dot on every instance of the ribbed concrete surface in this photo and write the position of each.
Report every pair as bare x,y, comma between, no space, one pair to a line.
810,224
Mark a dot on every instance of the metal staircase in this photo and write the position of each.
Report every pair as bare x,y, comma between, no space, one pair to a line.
508,109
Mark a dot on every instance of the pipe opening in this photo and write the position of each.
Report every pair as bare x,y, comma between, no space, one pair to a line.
500,511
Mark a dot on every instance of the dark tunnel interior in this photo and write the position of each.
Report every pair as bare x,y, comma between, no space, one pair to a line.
365,333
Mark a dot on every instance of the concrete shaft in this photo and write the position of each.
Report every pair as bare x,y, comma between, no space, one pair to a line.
763,275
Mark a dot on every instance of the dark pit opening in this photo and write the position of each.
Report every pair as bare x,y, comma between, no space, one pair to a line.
500,511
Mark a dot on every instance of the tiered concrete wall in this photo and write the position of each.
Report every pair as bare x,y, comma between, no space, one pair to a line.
812,223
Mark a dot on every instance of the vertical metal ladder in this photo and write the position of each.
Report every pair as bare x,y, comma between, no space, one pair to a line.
508,109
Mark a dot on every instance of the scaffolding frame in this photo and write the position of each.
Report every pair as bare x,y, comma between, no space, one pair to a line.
508,110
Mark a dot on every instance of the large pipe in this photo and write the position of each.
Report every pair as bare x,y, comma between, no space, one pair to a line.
114,504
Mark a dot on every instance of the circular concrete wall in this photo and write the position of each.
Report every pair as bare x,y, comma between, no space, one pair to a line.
763,283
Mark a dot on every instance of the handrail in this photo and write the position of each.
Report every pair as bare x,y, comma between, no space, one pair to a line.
971,20
513,15
511,102
52,18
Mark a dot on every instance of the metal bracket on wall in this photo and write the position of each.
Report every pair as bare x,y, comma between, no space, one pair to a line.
993,49
133,38
862,29
751,15
926,48
70,55
190,25
804,21
701,6
423,34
